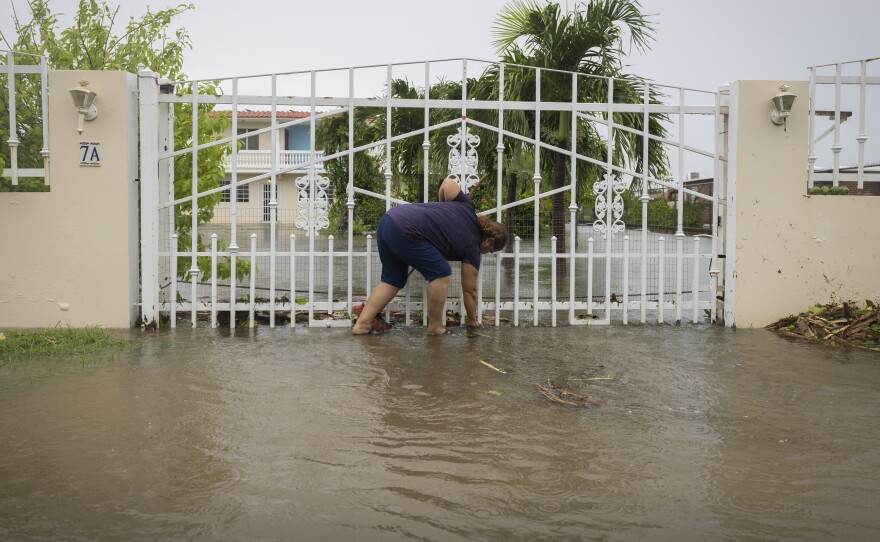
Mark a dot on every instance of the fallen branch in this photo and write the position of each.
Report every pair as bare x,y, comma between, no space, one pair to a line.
564,396
844,323
489,365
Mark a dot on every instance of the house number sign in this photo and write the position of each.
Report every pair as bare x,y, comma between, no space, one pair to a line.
90,153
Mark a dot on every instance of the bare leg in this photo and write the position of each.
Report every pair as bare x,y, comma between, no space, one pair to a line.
381,295
437,289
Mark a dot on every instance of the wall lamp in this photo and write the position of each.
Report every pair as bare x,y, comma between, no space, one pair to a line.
782,103
83,97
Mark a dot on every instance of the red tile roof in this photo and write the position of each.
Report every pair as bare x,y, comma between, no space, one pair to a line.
264,114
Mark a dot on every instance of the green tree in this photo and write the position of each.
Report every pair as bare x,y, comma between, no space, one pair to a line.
589,40
92,42
407,155
331,134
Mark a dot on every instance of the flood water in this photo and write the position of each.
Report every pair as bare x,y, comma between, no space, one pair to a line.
702,433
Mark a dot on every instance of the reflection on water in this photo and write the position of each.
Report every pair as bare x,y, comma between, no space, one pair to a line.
702,433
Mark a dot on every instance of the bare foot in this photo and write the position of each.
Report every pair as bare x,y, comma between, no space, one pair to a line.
437,331
361,329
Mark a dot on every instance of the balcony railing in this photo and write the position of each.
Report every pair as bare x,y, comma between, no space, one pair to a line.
262,160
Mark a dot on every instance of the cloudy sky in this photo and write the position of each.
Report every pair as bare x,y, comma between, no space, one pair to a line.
699,43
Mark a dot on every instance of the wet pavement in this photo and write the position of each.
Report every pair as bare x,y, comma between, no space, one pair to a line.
702,433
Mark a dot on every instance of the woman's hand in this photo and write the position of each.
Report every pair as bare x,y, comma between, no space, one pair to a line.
449,190
469,275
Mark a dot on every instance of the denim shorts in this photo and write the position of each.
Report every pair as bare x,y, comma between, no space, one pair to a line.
398,254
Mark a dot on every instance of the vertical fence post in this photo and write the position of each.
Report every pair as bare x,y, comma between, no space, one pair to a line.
609,220
679,274
213,280
350,189
812,142
388,122
44,92
714,271
536,237
426,142
661,278
646,123
836,147
253,282
695,296
516,280
590,276
500,169
330,276
572,207
312,223
165,134
233,282
148,85
498,261
863,136
679,202
194,246
273,199
407,302
13,132
369,264
625,279
292,280
173,276
553,281
480,298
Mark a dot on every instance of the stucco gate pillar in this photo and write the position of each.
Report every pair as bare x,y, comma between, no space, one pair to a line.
790,250
70,255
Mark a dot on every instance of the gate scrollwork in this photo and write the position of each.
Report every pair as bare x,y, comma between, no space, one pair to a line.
312,203
608,189
463,170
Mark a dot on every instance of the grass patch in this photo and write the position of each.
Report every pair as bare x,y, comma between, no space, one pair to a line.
55,342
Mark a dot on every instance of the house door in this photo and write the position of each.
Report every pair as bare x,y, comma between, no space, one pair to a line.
267,197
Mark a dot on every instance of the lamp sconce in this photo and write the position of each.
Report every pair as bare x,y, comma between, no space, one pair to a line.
782,104
83,97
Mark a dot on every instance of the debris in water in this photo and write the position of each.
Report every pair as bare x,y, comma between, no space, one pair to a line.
564,396
489,365
843,323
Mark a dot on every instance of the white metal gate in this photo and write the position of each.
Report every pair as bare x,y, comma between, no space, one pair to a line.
318,257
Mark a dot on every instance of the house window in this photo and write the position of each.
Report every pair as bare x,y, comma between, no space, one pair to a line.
250,143
243,195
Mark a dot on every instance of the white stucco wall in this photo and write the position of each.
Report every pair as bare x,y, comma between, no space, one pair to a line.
70,255
791,250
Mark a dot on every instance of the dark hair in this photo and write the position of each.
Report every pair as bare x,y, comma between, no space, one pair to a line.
494,231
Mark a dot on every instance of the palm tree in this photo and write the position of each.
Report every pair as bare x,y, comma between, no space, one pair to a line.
590,41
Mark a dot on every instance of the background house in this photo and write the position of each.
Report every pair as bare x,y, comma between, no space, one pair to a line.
255,158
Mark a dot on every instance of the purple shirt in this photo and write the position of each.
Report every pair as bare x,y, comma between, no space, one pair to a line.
451,226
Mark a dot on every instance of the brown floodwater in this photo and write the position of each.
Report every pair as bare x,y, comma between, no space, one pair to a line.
702,433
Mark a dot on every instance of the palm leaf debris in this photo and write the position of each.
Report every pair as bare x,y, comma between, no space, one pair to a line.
842,323
564,396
